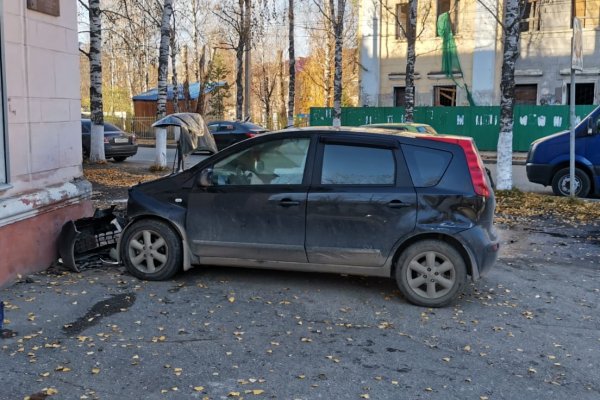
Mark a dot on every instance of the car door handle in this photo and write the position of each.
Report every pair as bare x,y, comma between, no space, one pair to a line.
288,203
397,204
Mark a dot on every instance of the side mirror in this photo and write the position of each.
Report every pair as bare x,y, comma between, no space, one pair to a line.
205,178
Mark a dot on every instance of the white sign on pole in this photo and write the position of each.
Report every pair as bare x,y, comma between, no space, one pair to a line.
577,51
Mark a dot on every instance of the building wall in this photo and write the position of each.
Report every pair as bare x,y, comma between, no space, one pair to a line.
43,149
544,53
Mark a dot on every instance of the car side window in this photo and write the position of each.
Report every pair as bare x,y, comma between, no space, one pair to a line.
277,162
213,127
357,165
426,165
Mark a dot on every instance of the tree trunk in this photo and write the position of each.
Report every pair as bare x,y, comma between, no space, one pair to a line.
248,60
292,70
512,19
174,69
239,65
163,59
163,70
282,112
186,80
411,35
327,56
337,76
203,81
97,125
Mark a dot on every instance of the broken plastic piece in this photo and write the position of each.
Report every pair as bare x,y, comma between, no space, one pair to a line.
78,239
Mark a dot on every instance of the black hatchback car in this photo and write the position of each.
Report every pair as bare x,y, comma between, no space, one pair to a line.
118,145
417,208
227,133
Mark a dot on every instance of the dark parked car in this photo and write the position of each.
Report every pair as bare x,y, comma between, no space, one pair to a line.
227,133
118,145
414,207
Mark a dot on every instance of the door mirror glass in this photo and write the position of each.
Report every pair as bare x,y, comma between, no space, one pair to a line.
205,178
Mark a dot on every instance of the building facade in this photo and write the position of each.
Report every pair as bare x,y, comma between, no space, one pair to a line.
41,184
542,70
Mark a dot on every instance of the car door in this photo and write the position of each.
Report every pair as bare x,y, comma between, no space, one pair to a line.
255,208
360,204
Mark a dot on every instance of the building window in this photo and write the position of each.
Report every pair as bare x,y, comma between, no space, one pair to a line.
531,16
588,12
399,95
444,96
401,20
451,7
3,150
584,93
526,94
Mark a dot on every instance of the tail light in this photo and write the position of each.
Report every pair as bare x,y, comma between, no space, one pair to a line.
474,162
132,138
250,134
106,140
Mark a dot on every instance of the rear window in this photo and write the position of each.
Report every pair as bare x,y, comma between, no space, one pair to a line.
426,165
356,165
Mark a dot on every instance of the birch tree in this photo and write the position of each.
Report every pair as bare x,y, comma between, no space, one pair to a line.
511,29
292,66
335,16
513,14
232,14
163,70
95,57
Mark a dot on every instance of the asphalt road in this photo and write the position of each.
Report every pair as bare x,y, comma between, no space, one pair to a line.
530,330
146,155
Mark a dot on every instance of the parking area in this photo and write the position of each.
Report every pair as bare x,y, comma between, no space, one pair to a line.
529,330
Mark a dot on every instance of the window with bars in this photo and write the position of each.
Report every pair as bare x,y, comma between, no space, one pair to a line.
444,96
588,12
584,93
451,7
531,16
401,20
526,94
399,93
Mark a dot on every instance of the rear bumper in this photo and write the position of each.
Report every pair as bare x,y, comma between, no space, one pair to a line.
482,246
120,150
539,173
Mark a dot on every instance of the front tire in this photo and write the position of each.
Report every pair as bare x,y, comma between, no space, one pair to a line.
431,273
561,183
151,250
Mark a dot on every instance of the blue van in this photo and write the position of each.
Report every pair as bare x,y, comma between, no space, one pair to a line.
548,159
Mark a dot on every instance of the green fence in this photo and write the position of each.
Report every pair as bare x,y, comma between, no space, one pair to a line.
480,123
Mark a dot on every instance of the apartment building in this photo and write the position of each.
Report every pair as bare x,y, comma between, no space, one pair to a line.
542,70
41,184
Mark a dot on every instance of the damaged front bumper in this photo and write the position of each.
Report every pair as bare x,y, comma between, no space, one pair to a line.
88,236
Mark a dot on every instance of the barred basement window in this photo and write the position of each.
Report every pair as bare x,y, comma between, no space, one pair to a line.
531,16
445,96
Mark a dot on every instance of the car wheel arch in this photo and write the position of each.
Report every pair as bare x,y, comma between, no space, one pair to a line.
467,256
188,258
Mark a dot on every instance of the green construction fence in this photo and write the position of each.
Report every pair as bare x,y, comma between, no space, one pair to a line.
480,122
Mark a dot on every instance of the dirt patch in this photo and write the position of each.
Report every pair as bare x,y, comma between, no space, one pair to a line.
111,181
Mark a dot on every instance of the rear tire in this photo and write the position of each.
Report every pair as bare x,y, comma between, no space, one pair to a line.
431,273
119,159
151,250
561,183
